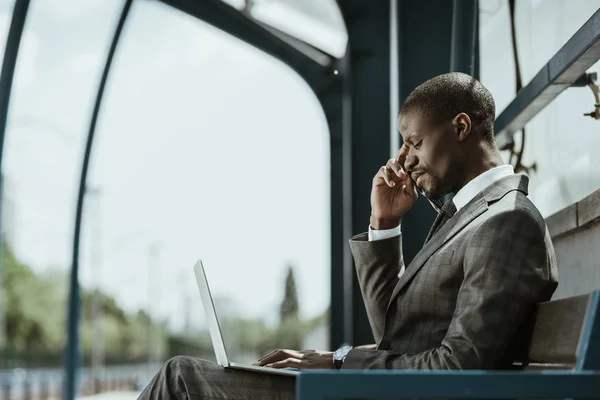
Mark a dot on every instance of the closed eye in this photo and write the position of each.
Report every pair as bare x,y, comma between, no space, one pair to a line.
417,145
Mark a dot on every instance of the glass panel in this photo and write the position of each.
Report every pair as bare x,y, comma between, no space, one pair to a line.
317,22
542,27
496,60
560,141
59,63
8,220
239,4
6,11
198,157
563,144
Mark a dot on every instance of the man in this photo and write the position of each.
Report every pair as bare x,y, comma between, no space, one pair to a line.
465,299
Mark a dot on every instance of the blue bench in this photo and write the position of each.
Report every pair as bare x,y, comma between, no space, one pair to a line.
563,361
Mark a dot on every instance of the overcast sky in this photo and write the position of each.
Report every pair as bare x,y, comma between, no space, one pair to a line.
205,147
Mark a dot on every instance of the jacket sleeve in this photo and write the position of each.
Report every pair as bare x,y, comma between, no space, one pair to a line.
378,264
506,272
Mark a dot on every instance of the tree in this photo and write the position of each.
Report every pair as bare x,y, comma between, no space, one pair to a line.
36,315
290,332
289,304
31,316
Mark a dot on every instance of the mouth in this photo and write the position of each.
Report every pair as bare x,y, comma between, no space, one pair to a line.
415,179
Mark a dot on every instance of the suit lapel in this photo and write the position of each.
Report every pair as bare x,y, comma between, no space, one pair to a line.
472,210
454,225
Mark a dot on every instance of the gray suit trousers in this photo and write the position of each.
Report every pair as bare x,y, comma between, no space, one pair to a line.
193,378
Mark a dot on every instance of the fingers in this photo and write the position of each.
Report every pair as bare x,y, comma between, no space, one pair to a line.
384,175
287,363
391,173
278,355
411,189
393,165
267,355
401,157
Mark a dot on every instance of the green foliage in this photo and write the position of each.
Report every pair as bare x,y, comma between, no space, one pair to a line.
36,319
290,334
36,316
252,335
33,319
198,345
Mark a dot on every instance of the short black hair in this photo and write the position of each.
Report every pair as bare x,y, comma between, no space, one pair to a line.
444,97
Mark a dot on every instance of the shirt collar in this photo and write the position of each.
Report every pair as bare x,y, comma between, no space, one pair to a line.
476,185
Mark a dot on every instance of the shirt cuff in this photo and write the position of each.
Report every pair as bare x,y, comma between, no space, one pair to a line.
375,235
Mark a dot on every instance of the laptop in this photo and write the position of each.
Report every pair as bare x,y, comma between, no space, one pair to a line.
215,330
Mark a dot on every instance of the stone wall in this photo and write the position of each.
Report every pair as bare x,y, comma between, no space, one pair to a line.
575,232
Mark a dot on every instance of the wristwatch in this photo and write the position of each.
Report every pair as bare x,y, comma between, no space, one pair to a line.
340,355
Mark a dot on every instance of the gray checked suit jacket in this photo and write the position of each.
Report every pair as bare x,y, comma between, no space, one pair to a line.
464,300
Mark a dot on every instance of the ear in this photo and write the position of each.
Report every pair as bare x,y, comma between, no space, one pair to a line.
462,125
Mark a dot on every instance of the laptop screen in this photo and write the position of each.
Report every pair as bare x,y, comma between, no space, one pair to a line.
211,315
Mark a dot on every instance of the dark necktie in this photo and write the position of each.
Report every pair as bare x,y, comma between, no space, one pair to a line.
447,211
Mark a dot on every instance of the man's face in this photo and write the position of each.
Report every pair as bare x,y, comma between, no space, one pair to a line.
430,152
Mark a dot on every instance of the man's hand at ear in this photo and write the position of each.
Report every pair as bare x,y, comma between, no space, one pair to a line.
392,194
305,359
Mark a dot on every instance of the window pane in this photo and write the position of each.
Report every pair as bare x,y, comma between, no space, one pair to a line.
562,144
496,59
207,148
6,11
559,141
542,28
60,60
317,22
8,220
239,4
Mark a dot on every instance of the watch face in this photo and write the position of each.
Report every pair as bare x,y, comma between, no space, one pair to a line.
341,352
337,353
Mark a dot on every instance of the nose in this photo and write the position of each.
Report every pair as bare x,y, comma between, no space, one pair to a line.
410,162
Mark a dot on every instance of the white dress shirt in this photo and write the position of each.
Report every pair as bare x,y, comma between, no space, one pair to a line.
464,195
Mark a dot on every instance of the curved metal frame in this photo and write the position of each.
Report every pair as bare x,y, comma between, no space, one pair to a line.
13,42
72,349
330,81
320,76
